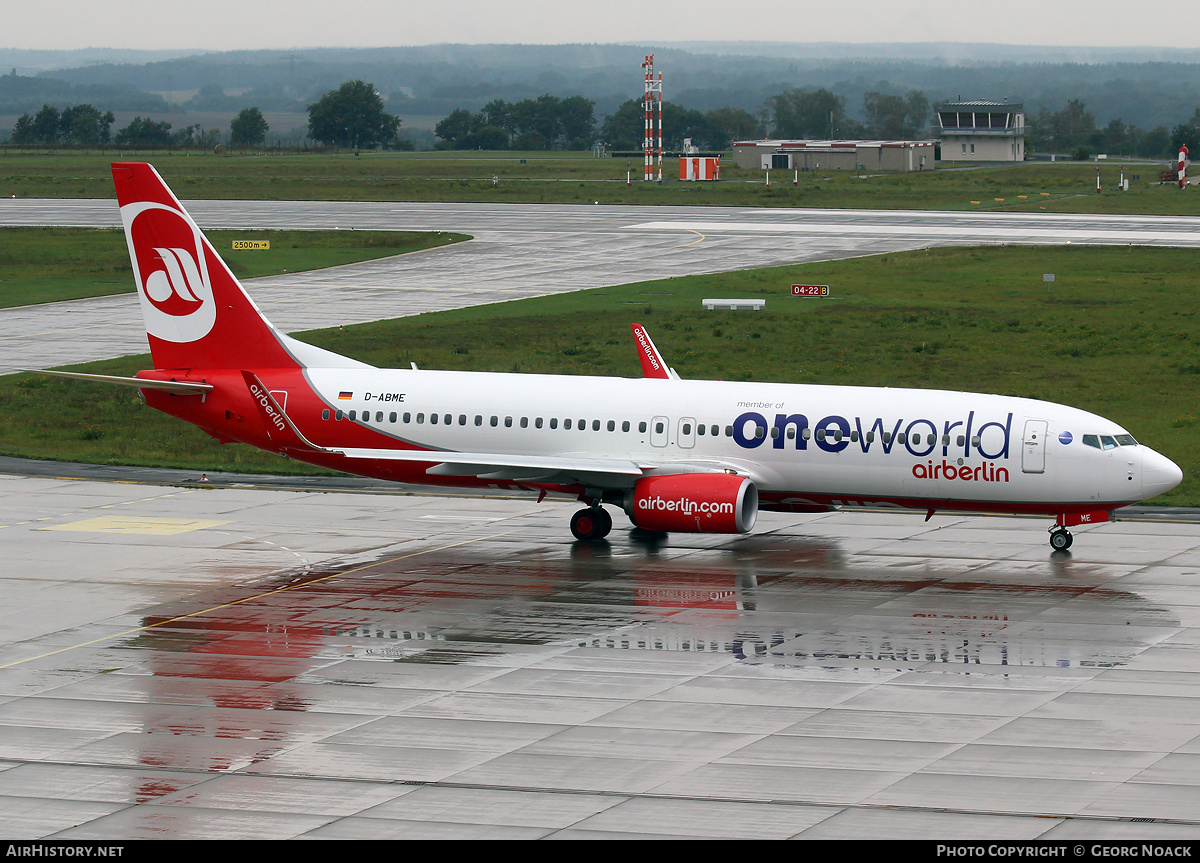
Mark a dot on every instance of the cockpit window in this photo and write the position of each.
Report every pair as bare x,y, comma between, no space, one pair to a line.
1103,441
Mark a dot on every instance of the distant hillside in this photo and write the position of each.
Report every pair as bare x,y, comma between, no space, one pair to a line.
1143,87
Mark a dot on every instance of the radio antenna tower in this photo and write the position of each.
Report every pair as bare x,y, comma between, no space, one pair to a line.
653,94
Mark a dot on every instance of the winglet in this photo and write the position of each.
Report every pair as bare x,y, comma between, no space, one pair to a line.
653,365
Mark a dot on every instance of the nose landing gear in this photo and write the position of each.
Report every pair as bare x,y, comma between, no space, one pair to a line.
591,523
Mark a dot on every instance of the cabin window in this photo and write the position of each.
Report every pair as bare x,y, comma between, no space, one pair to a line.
583,425
337,415
854,436
508,422
553,422
566,424
462,419
407,417
806,434
902,438
975,440
714,430
820,434
625,426
960,440
524,422
325,414
537,422
642,427
870,437
392,417
887,437
432,419
448,419
495,421
837,435
774,433
595,425
760,432
791,433
659,428
700,429
728,431
351,416
420,418
612,426
478,420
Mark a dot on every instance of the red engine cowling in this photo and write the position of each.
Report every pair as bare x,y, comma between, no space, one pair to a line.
694,503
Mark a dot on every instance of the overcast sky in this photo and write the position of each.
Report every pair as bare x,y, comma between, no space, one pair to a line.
246,24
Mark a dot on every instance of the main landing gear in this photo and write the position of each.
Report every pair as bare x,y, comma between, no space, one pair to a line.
591,523
1060,538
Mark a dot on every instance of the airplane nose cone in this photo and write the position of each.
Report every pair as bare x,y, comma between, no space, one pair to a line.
1159,474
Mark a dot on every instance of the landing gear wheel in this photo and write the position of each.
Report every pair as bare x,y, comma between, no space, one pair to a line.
1060,539
591,523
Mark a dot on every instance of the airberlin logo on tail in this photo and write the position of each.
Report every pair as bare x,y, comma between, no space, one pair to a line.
171,271
172,289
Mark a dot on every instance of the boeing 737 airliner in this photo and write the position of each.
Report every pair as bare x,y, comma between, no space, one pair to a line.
676,455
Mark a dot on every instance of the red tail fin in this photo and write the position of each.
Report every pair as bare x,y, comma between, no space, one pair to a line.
197,314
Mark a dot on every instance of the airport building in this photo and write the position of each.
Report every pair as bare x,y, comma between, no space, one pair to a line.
835,155
982,131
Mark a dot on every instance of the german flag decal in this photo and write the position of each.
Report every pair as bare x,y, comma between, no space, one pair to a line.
345,396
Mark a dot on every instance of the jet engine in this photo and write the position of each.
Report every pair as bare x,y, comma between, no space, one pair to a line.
693,503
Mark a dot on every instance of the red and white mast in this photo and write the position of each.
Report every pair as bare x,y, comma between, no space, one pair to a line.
1183,160
653,94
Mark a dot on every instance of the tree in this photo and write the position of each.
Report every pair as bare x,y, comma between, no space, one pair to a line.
352,116
144,133
803,113
84,124
456,128
577,115
47,126
892,117
22,134
249,128
727,125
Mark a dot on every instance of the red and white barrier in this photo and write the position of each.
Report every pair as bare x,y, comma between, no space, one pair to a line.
700,168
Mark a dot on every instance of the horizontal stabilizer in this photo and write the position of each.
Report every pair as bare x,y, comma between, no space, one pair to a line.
181,388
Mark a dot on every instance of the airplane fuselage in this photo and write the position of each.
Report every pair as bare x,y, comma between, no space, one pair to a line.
802,445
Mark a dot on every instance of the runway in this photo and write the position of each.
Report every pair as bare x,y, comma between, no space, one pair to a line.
249,659
233,662
522,251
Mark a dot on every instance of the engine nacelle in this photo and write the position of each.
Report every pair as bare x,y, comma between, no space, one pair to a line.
693,503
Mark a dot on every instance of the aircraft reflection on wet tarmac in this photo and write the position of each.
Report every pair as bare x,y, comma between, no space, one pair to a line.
777,602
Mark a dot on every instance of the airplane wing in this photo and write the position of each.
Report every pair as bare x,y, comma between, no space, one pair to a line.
618,473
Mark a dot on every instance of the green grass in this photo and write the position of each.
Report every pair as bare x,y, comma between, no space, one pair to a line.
1114,336
581,178
45,265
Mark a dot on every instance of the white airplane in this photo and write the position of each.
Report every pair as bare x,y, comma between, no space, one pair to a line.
676,455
